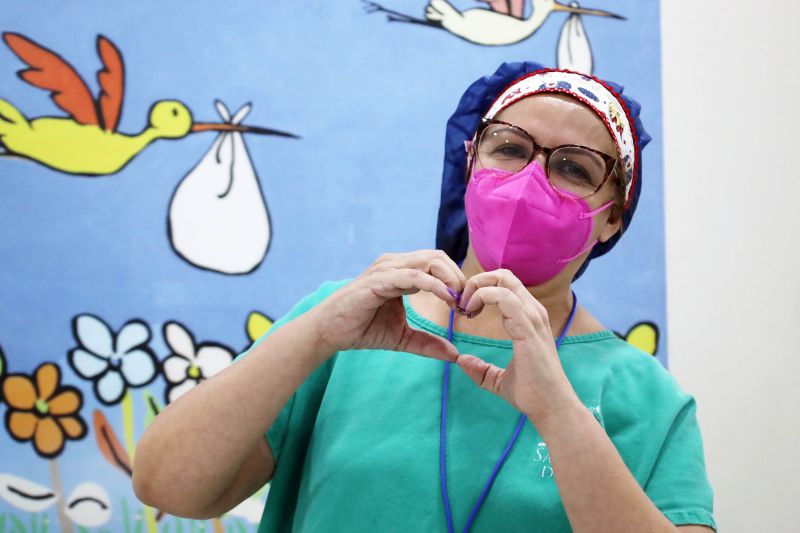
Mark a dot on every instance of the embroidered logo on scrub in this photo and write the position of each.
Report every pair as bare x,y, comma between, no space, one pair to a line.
542,456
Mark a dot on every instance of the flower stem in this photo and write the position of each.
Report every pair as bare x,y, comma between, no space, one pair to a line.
66,523
127,423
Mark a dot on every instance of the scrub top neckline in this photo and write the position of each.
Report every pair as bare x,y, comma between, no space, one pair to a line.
432,327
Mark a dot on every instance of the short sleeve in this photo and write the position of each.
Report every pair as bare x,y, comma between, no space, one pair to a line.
678,484
298,413
653,424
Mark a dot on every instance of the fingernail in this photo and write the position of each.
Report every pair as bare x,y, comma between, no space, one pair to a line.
461,310
454,294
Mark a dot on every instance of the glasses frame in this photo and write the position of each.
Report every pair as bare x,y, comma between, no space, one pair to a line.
611,162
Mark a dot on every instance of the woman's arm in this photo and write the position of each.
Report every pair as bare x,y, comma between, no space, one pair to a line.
206,452
597,489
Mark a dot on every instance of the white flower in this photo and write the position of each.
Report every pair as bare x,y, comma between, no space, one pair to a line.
112,362
189,364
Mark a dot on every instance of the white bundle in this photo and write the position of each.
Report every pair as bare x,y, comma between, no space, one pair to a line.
218,218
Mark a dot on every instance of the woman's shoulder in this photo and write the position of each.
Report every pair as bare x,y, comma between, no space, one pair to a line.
623,371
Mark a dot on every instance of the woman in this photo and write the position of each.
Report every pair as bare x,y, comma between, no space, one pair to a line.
578,429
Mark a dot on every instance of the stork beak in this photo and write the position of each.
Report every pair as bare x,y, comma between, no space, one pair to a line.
210,126
558,6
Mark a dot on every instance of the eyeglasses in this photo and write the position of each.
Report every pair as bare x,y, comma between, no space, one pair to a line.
571,168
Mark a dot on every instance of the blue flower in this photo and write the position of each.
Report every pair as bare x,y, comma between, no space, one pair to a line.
112,361
563,85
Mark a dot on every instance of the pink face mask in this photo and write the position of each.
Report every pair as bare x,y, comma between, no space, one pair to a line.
519,222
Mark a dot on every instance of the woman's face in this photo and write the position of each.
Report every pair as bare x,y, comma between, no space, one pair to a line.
555,119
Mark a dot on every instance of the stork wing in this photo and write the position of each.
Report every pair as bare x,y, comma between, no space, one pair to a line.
48,71
112,83
515,8
498,6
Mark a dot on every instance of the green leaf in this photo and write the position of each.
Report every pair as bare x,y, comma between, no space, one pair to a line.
152,408
126,518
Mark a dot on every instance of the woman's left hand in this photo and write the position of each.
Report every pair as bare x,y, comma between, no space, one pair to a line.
534,381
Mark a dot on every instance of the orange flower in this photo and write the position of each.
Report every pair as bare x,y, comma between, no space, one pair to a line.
41,410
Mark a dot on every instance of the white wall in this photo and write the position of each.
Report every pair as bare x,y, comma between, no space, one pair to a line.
732,152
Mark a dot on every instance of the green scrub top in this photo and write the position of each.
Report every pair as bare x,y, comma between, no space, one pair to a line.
357,446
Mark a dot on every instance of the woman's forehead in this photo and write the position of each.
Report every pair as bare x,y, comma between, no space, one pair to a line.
554,119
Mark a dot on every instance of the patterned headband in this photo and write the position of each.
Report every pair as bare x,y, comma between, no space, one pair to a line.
591,92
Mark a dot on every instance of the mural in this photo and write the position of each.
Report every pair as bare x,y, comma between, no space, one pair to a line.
219,199
133,269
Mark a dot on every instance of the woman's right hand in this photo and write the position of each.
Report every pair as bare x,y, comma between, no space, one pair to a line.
368,313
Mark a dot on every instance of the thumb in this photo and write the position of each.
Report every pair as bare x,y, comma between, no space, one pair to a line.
485,375
427,345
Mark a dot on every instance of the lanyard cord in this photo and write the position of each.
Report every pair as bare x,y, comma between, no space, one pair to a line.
443,432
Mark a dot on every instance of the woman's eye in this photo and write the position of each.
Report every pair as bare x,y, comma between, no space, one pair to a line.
511,151
572,171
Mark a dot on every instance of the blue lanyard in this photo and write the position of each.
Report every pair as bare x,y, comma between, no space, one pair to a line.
443,438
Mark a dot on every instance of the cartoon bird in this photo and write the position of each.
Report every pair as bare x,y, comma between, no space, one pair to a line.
501,25
87,142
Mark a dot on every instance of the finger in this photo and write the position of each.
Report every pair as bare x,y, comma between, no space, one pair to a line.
508,302
487,376
427,345
495,278
434,262
394,282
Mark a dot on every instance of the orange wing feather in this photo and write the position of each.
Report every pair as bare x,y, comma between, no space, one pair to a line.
48,71
112,83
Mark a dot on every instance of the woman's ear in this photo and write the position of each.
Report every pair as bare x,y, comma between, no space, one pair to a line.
468,155
613,223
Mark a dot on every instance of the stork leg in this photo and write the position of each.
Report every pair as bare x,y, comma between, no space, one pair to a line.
394,16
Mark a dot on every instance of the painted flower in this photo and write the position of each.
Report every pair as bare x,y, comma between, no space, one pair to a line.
42,410
113,362
189,364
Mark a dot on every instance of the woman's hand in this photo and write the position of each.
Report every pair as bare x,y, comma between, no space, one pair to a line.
534,381
368,313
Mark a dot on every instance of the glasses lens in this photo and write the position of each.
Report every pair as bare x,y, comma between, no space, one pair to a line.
504,147
576,170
